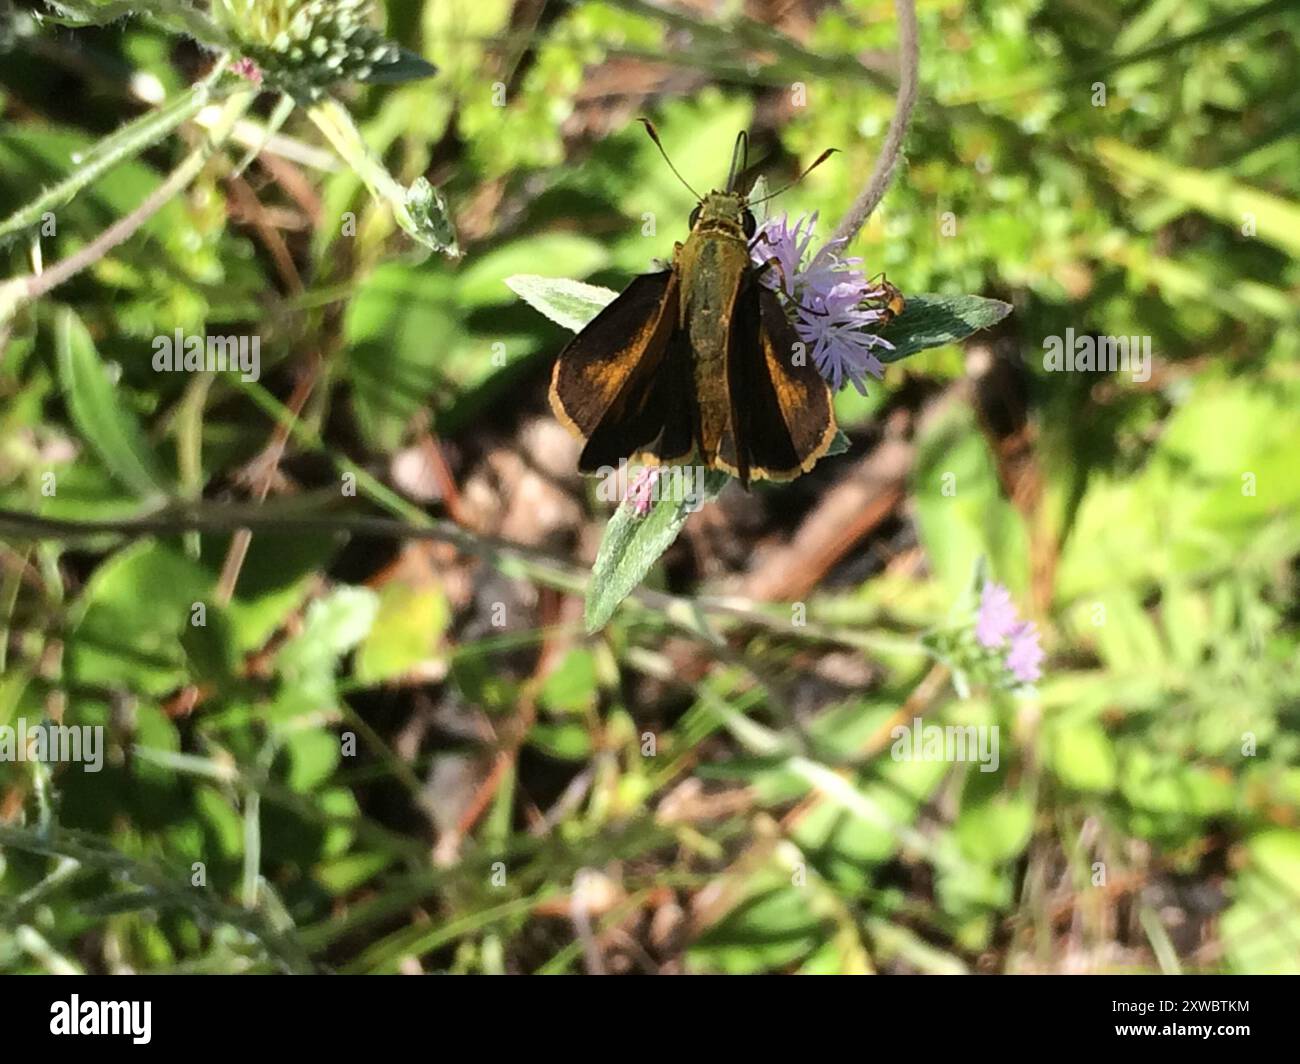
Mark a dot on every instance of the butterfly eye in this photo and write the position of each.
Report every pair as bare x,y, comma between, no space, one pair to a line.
695,216
750,226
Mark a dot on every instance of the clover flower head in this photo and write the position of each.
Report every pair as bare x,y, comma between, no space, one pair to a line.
828,298
302,47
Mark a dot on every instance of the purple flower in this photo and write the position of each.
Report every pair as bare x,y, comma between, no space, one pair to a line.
997,622
789,247
641,492
247,69
1026,655
828,298
997,617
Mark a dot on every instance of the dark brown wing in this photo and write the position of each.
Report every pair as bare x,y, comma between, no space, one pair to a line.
784,416
603,369
624,382
743,366
656,421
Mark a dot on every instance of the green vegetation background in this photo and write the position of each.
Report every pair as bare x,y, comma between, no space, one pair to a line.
1131,824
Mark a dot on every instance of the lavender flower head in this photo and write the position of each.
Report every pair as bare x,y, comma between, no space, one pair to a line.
1026,655
998,622
827,296
997,617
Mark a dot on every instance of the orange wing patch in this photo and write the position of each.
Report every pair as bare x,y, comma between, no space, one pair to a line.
607,366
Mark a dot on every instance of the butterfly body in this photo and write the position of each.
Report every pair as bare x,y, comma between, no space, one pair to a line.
697,363
712,269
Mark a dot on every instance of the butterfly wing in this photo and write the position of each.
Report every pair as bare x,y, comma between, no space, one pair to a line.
742,367
783,420
623,383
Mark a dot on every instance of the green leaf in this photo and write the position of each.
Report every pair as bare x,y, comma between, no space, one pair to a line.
1259,930
1129,639
420,209
572,254
391,364
565,742
934,320
757,194
126,143
174,15
768,930
99,413
209,648
408,67
572,685
333,626
996,830
89,12
568,303
1083,758
839,444
313,756
222,824
632,543
407,631
135,610
1219,195
961,510
276,578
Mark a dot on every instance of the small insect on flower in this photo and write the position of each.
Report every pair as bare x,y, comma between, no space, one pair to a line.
891,301
833,305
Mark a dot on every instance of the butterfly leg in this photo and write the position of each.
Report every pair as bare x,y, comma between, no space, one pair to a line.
780,269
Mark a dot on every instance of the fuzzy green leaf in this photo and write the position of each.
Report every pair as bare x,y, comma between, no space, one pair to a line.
419,209
839,444
105,422
934,320
568,303
407,67
632,544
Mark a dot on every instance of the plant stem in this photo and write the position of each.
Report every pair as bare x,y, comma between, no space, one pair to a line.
33,286
512,559
878,184
428,225
117,147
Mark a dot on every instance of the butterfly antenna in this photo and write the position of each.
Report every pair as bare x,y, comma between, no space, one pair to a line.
739,155
654,135
816,163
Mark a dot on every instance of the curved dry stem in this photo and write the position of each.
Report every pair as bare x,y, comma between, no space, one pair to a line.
514,559
878,184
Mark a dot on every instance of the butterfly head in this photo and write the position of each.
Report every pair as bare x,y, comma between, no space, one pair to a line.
724,212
